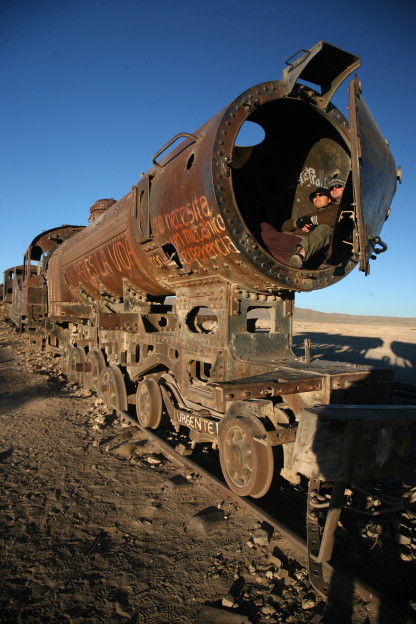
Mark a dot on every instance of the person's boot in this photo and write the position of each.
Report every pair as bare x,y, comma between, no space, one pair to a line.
296,261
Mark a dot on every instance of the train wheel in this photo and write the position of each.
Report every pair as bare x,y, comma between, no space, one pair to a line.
149,403
95,364
112,389
246,465
65,358
76,361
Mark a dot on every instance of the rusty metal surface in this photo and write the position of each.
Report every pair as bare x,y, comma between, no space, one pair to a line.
105,253
11,294
323,65
48,240
268,386
279,436
374,174
356,442
31,306
163,234
127,321
99,207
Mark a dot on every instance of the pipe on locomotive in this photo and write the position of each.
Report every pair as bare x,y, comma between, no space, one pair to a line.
197,212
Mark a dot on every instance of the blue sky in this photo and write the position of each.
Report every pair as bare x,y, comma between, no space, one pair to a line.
91,89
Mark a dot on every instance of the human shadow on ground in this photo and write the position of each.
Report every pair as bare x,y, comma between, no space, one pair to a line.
361,350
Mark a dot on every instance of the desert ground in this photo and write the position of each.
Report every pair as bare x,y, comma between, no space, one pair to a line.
376,341
97,526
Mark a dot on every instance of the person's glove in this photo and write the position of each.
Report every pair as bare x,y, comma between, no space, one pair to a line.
302,221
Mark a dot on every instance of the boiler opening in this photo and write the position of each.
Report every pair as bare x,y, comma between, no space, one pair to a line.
296,150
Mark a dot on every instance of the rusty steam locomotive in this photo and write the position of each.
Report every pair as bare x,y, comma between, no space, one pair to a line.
169,300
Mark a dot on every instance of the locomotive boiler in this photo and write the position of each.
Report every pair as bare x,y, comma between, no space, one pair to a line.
170,305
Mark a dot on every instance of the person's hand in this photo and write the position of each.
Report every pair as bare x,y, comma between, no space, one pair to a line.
301,222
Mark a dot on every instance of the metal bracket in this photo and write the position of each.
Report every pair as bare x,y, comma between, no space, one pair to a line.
282,435
377,240
323,65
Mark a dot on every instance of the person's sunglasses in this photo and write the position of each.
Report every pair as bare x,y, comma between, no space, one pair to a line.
335,186
320,195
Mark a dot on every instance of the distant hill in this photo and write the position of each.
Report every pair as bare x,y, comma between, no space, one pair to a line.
312,316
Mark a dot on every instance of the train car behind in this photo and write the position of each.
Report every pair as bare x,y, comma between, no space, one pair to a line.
25,296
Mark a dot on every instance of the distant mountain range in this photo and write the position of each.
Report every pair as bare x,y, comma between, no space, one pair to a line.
312,316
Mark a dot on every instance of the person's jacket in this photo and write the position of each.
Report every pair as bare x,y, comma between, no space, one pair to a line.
326,215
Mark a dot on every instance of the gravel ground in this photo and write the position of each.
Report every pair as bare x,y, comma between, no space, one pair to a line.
98,526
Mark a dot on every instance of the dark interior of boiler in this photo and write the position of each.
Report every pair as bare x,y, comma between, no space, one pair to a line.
272,180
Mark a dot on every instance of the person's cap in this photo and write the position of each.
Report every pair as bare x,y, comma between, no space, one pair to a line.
320,191
336,182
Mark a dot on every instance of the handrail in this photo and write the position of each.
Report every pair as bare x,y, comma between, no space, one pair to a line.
169,143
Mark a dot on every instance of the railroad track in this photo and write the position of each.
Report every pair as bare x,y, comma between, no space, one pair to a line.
335,574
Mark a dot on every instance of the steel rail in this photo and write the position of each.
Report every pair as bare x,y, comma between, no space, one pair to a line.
337,571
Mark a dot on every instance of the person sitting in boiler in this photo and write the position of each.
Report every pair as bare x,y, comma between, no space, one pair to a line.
302,237
317,228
